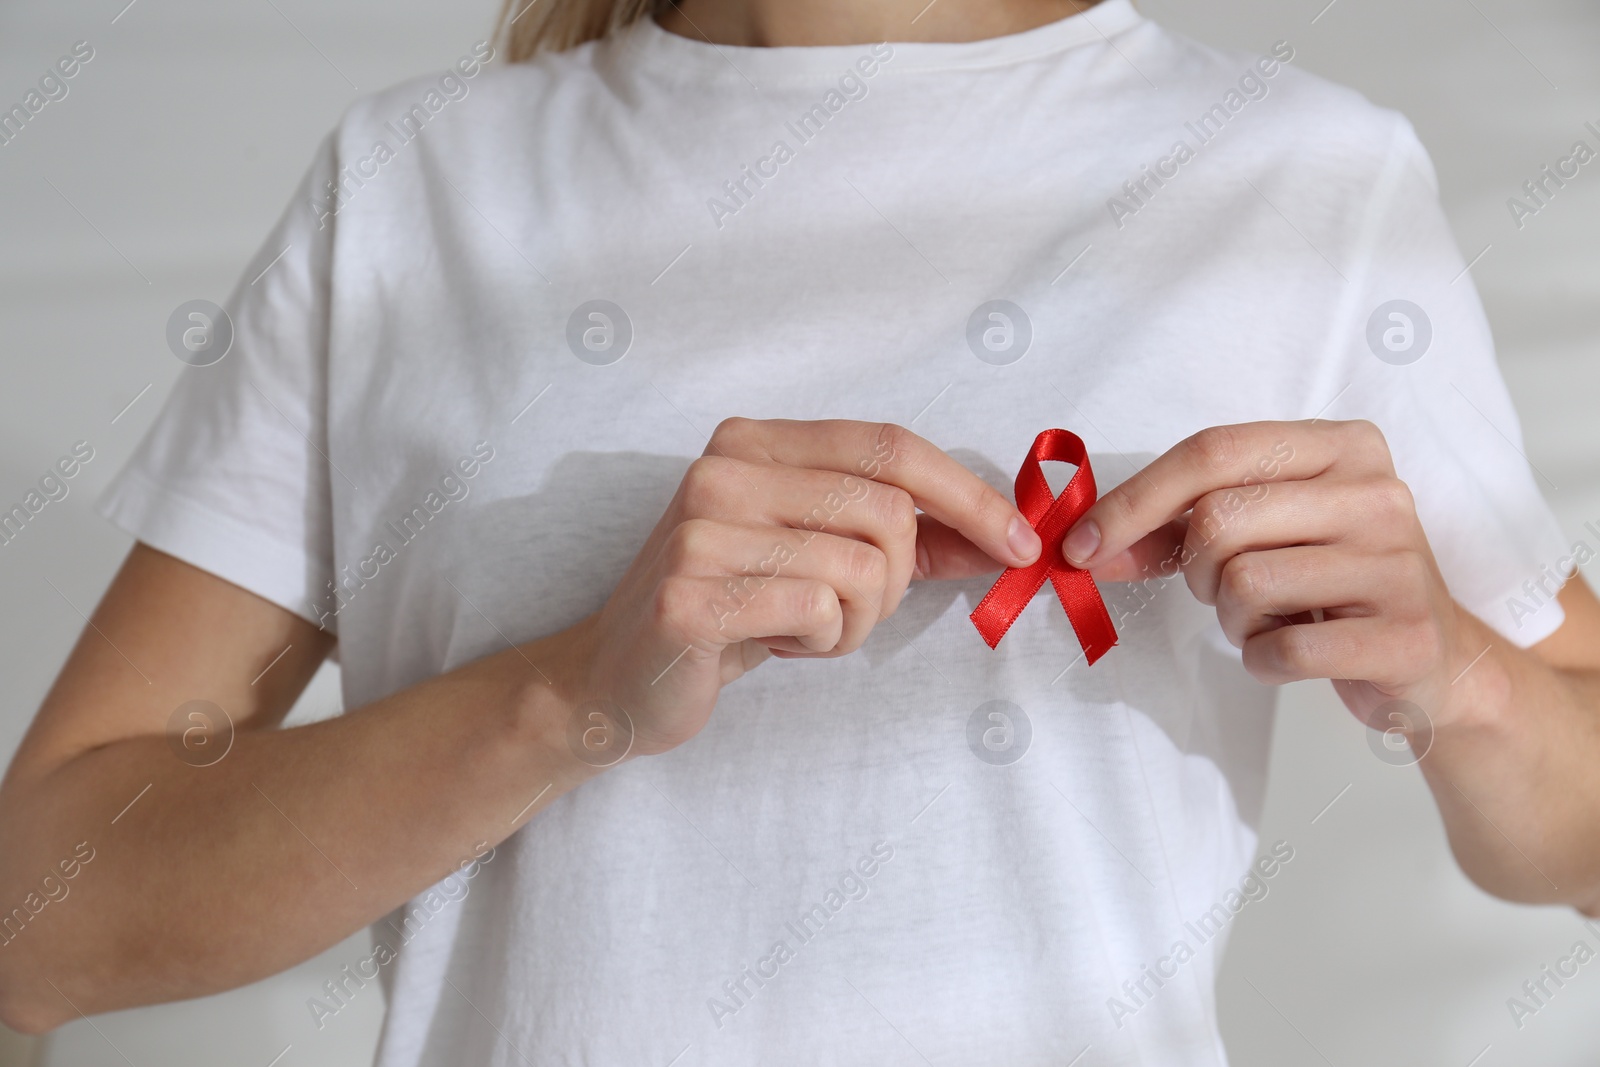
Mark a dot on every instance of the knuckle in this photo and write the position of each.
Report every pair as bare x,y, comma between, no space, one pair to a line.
1246,581
1209,514
732,435
1366,441
1365,432
1393,497
1216,448
866,567
674,602
706,484
689,543
889,441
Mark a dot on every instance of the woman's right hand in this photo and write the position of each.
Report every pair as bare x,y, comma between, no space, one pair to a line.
785,538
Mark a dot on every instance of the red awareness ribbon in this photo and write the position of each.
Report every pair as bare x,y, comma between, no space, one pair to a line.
1051,516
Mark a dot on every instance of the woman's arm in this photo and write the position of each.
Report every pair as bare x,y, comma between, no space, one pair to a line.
1513,768
207,877
787,538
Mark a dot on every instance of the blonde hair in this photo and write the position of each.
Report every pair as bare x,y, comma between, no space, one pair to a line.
526,27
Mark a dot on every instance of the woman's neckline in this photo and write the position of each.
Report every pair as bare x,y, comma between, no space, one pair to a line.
647,43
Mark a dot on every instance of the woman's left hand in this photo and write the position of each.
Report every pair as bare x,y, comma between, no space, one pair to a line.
1310,549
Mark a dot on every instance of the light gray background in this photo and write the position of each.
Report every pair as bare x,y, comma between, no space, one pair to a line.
160,173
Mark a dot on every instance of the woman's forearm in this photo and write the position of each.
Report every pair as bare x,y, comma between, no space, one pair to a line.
200,879
1514,775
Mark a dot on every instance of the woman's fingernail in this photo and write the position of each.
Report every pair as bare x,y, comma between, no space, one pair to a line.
1081,542
1023,541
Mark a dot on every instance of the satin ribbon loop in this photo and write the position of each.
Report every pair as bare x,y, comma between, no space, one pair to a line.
1051,517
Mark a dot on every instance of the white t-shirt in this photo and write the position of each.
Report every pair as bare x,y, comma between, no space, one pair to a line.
848,865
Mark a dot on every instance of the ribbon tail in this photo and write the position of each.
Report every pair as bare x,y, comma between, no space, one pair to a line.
1086,611
1005,600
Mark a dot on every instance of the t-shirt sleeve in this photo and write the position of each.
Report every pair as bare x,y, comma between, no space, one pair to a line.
233,477
1421,364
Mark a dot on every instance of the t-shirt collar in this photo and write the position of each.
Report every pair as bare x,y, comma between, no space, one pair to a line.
645,45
